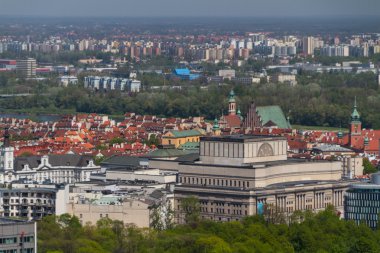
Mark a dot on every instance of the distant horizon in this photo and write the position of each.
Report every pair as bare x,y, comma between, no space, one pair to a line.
194,8
346,16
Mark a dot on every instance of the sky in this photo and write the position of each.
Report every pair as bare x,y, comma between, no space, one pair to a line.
189,8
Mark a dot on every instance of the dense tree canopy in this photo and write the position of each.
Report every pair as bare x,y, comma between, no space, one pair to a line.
306,232
320,99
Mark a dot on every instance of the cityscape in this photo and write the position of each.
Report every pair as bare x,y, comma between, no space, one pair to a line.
194,128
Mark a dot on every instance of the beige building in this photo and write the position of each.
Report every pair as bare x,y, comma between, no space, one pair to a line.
130,211
235,176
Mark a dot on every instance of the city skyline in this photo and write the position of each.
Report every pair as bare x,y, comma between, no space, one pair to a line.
171,8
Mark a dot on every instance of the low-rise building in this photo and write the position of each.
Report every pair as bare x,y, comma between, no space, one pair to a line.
176,137
282,78
67,80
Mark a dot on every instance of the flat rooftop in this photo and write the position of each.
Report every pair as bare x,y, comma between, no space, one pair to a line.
8,221
242,138
288,161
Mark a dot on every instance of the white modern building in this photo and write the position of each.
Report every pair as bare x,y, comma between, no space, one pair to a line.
111,83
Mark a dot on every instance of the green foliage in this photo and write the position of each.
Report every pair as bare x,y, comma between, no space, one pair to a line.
116,140
99,159
191,210
369,168
319,99
153,140
307,233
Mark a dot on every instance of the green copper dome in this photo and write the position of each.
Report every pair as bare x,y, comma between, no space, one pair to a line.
231,96
216,124
366,141
355,116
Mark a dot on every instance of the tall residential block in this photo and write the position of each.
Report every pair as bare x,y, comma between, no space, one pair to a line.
26,68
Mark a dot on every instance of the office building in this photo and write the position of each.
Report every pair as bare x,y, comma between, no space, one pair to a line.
18,236
362,202
26,68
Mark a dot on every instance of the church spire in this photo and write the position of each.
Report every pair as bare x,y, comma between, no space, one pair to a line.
355,116
231,103
355,126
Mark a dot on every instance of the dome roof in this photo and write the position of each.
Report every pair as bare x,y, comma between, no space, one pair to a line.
231,96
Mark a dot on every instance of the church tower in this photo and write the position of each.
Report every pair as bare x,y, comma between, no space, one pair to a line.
232,103
355,126
7,160
7,153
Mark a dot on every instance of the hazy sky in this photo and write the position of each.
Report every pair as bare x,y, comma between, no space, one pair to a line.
138,8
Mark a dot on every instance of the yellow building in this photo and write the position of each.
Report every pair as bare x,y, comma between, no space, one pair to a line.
178,138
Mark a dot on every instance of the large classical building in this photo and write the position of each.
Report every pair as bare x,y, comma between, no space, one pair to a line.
236,176
57,169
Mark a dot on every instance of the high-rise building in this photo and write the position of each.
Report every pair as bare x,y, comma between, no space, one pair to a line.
308,45
26,68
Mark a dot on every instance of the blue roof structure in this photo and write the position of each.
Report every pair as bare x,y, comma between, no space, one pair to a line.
185,74
181,72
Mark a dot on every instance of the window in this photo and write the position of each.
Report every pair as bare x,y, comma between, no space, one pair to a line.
10,240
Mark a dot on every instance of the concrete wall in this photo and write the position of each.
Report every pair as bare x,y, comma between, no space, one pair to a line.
130,212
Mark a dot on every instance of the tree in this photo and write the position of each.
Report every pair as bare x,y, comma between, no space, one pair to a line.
191,209
369,168
169,216
156,219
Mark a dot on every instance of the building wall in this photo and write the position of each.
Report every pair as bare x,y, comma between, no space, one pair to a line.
227,205
130,212
250,177
17,236
235,153
148,175
171,140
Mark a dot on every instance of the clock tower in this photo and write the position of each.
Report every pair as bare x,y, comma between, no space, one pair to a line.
355,126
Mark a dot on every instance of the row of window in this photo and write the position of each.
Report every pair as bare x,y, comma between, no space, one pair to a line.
361,216
223,211
363,196
9,240
25,201
25,194
216,182
362,209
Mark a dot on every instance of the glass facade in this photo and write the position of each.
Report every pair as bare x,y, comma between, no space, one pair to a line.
362,205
